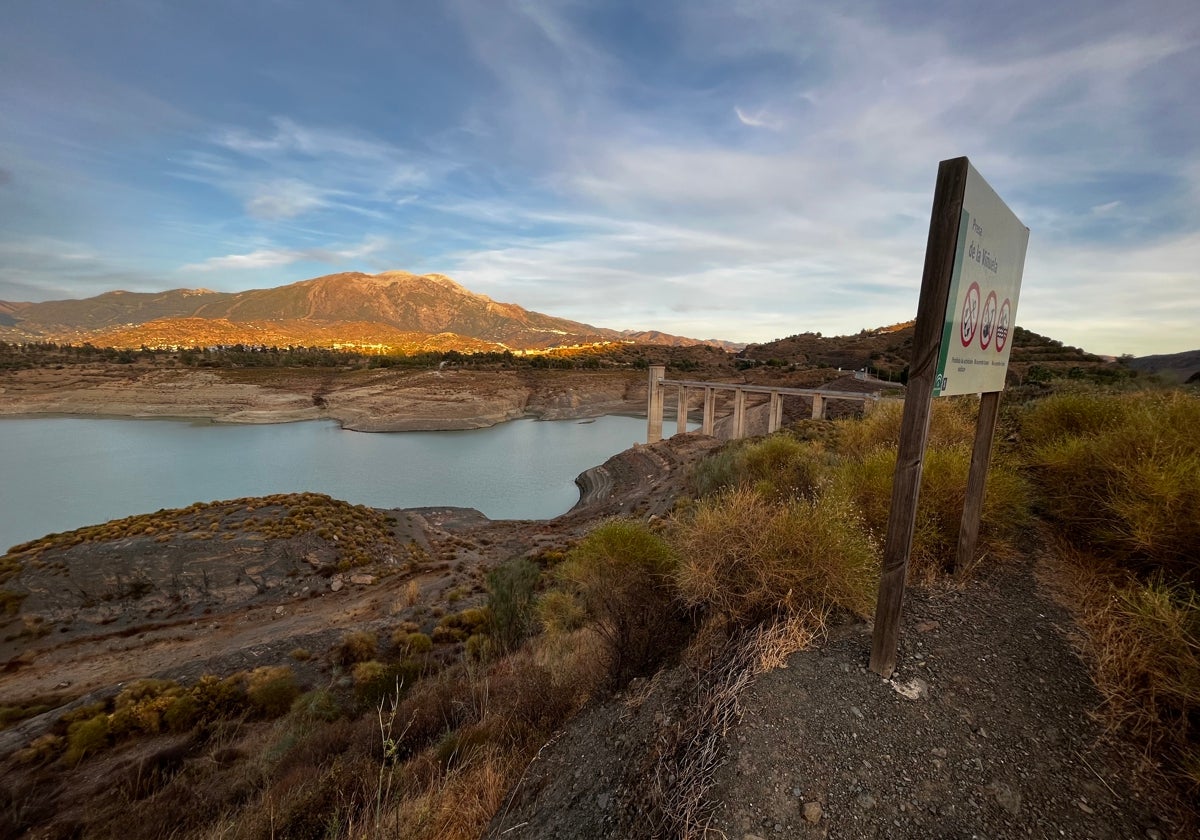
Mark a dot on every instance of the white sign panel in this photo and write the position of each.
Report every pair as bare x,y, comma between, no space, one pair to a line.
984,288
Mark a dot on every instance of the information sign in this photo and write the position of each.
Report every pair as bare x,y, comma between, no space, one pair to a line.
988,263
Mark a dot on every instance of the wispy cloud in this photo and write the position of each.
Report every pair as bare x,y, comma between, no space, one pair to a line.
274,257
759,119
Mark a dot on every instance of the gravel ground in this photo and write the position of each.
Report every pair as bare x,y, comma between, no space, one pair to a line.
998,740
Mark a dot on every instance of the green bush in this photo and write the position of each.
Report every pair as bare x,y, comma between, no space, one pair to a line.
86,737
511,588
412,644
620,575
271,690
317,705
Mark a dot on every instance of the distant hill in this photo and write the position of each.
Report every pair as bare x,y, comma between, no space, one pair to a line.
393,308
886,351
1174,367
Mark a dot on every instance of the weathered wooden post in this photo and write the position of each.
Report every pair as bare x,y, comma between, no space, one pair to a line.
739,414
961,345
654,404
710,411
681,411
981,457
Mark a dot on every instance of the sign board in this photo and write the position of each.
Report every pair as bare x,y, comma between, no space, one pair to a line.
985,285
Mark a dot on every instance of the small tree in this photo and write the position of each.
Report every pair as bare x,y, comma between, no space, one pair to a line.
621,576
511,586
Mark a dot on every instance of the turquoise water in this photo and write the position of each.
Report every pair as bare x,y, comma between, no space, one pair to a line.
60,473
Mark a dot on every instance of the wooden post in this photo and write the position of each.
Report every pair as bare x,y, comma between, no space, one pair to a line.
739,414
776,416
654,404
681,411
818,412
914,426
710,411
981,456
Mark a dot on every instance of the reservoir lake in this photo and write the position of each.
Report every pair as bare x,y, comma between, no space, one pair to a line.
61,473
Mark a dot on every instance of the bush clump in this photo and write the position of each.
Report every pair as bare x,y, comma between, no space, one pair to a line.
1120,474
358,646
745,558
271,690
511,589
620,575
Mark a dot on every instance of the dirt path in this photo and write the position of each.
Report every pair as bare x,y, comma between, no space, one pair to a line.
1000,741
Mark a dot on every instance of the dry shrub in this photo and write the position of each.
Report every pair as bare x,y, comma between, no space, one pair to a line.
620,574
1120,473
868,483
358,646
576,661
778,466
459,804
951,423
433,706
271,690
681,768
1143,640
412,643
745,558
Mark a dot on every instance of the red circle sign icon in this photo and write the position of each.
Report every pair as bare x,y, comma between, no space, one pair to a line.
970,316
1002,326
988,321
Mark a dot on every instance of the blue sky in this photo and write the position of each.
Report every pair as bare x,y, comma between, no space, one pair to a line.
731,169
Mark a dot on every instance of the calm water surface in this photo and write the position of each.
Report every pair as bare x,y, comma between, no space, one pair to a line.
61,473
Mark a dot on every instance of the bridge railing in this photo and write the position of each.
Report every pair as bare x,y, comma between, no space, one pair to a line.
659,383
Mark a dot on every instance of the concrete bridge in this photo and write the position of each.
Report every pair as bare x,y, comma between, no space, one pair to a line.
659,383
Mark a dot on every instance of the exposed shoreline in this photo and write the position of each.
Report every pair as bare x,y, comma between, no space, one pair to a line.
365,401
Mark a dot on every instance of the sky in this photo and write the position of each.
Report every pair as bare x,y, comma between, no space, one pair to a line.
735,169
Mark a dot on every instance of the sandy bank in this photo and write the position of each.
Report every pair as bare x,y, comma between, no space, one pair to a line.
369,401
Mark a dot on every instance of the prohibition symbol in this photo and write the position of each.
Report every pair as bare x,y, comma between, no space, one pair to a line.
989,321
1002,326
970,316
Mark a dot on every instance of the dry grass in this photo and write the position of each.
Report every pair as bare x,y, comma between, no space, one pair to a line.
675,802
1120,473
867,483
1143,642
745,558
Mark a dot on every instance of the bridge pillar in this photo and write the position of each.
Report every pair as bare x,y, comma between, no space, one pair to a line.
681,411
710,411
739,414
776,415
654,404
818,407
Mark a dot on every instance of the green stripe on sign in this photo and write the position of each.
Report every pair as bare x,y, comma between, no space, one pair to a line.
952,303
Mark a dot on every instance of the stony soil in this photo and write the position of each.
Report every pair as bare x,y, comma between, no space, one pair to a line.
997,740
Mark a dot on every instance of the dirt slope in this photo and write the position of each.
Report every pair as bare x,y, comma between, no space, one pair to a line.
999,743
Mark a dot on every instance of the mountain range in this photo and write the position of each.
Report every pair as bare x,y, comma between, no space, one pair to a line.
393,310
